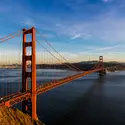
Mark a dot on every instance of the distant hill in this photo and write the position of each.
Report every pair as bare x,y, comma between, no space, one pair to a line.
84,65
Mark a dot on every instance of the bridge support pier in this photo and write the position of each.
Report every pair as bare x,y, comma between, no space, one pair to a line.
29,106
102,72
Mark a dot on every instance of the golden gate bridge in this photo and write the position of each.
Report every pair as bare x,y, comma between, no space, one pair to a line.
28,95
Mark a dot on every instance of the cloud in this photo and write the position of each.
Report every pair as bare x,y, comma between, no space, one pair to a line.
105,48
108,27
105,1
28,22
99,23
58,25
107,24
76,36
80,35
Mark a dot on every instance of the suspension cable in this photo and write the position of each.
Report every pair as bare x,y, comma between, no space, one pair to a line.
12,36
57,51
55,56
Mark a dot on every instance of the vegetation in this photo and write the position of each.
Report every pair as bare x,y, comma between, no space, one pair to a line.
12,116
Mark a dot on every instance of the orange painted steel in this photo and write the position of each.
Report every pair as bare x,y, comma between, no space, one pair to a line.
51,85
31,93
32,74
46,87
24,68
34,115
17,98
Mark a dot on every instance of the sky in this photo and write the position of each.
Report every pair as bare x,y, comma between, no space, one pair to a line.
81,30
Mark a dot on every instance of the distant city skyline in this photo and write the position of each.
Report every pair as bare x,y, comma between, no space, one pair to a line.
46,58
79,29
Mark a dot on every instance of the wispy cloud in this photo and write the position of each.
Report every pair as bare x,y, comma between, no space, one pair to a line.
105,48
28,22
106,1
58,25
78,19
76,36
80,35
105,25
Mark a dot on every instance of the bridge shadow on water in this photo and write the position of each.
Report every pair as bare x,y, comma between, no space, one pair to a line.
86,109
87,101
93,108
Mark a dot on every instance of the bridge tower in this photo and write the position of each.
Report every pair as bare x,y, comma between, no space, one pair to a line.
101,64
29,105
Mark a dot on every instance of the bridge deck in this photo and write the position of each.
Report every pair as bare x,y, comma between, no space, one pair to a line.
20,96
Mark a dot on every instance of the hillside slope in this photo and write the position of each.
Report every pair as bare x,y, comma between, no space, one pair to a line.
12,116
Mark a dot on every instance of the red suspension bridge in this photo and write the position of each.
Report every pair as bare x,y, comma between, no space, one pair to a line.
28,96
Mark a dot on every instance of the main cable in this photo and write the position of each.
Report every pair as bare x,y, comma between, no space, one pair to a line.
57,51
55,56
10,35
6,38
